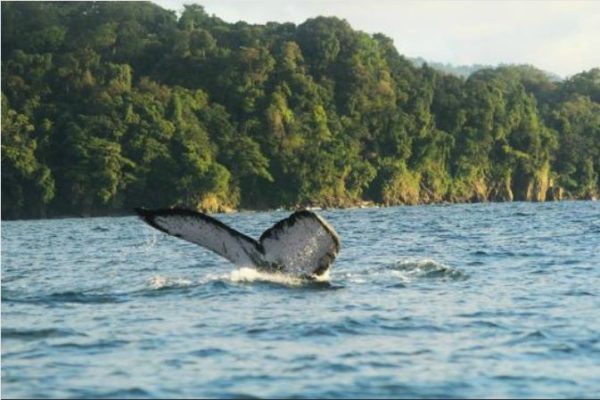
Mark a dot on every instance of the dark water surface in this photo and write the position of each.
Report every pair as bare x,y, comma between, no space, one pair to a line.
486,300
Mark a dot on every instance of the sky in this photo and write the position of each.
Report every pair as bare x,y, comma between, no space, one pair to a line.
562,37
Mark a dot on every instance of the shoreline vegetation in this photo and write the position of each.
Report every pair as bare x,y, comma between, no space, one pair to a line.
107,106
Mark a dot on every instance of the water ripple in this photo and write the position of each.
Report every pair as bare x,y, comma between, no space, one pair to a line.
428,301
37,334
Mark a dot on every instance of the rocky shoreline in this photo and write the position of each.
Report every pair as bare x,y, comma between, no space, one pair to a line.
221,209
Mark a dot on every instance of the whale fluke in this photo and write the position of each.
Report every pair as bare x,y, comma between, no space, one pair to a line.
303,244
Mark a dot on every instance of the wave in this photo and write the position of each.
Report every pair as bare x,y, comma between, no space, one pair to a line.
426,269
35,334
98,346
81,297
407,270
133,392
85,298
162,282
402,272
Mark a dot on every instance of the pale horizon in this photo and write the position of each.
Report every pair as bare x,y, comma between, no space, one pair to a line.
556,36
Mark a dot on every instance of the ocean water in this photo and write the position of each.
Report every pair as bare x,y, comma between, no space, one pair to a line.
481,300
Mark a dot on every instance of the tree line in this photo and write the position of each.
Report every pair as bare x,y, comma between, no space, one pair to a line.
108,106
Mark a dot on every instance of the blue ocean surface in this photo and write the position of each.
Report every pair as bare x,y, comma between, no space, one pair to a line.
479,300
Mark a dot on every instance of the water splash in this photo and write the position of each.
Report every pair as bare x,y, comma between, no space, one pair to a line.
252,275
241,275
149,241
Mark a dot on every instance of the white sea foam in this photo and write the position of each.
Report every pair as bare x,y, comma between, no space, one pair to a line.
251,275
160,282
241,275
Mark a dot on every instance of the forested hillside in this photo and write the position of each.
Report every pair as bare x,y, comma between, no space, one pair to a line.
108,106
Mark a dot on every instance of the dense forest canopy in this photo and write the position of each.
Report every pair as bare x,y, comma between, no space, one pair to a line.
112,105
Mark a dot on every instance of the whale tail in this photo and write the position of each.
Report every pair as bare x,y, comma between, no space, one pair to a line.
303,244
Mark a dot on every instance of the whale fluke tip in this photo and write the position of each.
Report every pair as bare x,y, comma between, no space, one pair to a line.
303,244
